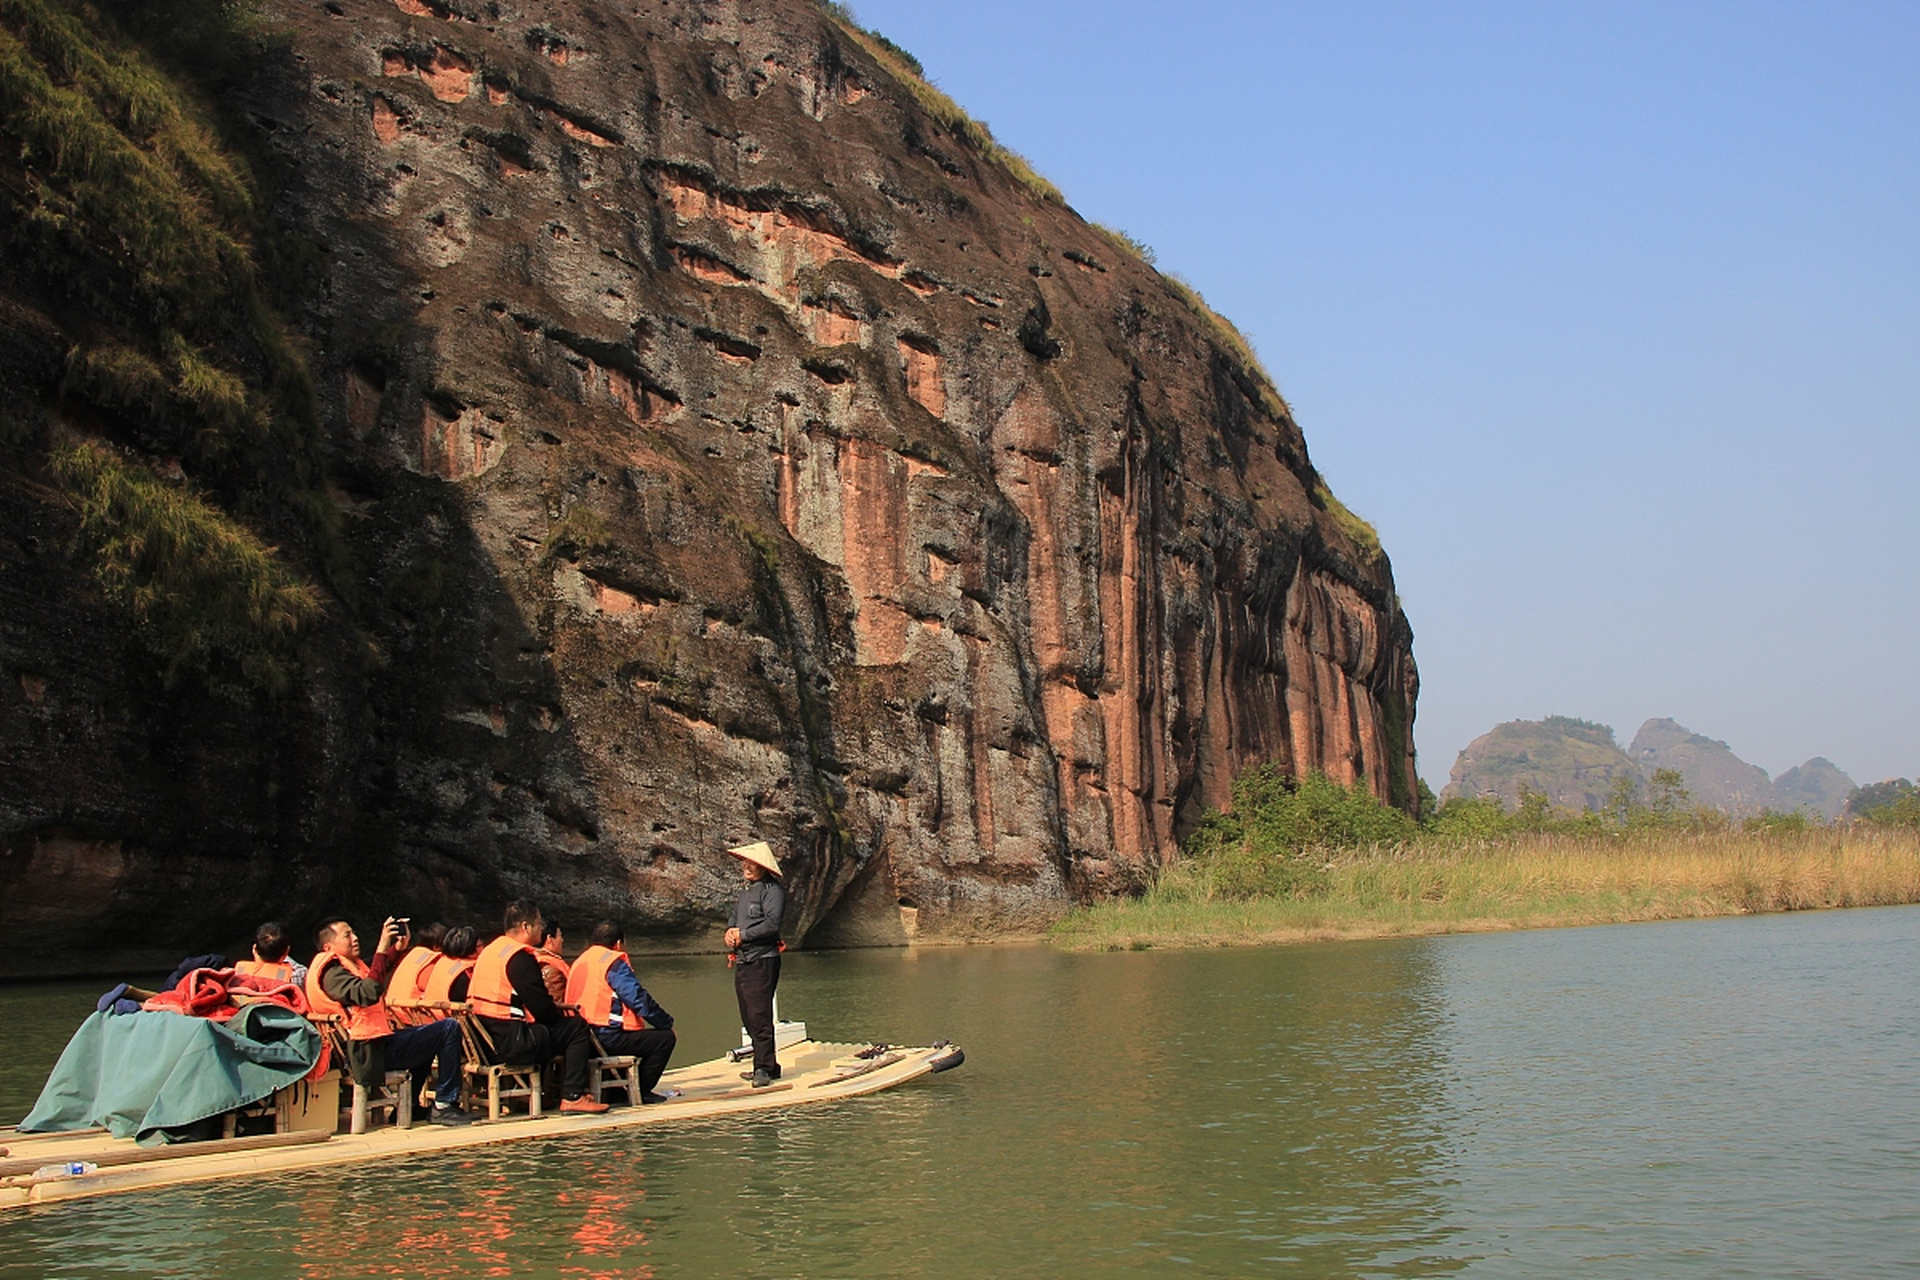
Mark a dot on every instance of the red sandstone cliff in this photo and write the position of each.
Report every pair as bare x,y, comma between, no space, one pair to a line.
724,448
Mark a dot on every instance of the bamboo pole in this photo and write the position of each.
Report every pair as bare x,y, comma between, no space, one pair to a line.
180,1150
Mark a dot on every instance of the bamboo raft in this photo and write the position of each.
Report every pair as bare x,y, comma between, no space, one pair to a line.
814,1072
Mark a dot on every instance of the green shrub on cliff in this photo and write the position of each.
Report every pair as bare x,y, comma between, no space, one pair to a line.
127,203
206,593
1875,797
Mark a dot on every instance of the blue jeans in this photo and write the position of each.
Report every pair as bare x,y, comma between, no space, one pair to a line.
412,1047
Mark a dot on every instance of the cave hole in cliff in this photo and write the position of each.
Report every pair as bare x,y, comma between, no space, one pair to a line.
870,912
831,374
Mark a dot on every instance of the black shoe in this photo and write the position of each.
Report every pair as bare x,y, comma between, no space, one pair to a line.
761,1079
450,1116
650,1098
771,1075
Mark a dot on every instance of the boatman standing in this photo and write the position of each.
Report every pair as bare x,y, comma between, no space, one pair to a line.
338,984
754,939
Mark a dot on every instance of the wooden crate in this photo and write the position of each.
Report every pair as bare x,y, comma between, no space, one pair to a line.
309,1104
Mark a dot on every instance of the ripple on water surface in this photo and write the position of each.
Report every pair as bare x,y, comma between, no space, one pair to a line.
1714,1098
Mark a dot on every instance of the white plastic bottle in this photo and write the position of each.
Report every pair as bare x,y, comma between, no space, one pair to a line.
70,1169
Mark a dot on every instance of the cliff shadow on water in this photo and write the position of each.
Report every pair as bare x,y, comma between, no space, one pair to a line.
461,456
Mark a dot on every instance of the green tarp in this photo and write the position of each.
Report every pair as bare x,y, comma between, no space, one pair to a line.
150,1075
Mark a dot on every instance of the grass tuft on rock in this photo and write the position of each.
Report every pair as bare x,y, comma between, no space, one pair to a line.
127,205
906,69
205,592
1234,343
1364,537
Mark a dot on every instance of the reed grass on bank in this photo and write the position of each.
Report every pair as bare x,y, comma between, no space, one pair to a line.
1536,881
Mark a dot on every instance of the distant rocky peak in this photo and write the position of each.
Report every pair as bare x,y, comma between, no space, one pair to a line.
1708,768
1574,763
1818,786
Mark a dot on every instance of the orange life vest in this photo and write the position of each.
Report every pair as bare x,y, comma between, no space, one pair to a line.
364,1021
409,981
588,987
272,970
491,991
440,981
407,987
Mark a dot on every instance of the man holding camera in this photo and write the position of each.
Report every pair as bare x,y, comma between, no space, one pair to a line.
341,985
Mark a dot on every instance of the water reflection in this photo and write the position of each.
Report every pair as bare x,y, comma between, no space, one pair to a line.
1221,1112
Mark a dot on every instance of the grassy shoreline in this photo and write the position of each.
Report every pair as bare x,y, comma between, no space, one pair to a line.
1525,882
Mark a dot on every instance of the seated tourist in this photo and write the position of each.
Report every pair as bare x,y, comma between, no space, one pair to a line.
553,970
408,986
270,959
625,1019
341,985
410,975
447,984
528,1027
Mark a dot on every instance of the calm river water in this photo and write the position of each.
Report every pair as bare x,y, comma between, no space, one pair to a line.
1720,1098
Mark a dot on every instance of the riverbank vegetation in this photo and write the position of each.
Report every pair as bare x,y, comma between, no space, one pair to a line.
1309,860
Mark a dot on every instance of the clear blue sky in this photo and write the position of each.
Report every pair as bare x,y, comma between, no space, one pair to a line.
1607,315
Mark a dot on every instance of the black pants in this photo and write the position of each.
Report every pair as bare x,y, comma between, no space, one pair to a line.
411,1049
651,1045
753,985
537,1043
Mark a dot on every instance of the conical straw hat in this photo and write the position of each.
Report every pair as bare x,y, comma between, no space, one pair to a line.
760,854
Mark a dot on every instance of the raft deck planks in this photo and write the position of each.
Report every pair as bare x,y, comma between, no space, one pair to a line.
813,1073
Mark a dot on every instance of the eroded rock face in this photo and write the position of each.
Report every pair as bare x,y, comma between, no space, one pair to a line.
732,452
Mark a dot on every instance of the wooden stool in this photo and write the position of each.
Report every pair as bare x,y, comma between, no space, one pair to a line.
618,1071
503,1083
398,1099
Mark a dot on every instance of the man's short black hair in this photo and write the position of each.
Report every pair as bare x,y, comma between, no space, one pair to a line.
520,913
431,936
546,934
461,943
324,934
608,933
270,941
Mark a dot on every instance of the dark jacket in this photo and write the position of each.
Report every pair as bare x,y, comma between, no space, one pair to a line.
757,916
530,988
366,1059
340,983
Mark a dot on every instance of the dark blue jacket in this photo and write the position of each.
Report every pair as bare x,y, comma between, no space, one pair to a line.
757,917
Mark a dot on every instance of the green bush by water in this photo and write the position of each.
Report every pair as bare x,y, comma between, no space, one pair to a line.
1282,837
1275,839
